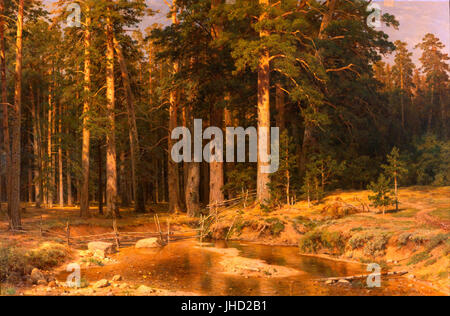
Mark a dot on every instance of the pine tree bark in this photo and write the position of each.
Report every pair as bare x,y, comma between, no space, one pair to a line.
16,126
50,165
60,161
100,179
263,179
85,159
69,179
111,155
36,150
281,107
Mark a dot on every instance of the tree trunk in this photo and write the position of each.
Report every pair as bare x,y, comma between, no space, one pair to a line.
100,179
173,172
111,162
139,203
60,161
16,155
36,150
5,109
51,174
216,177
281,108
84,190
263,179
69,180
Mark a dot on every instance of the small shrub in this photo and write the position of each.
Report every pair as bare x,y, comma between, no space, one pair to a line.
420,240
338,211
436,241
377,245
276,226
403,239
315,240
12,263
50,255
310,242
360,240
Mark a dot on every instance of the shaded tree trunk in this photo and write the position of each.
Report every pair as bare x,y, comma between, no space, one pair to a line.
16,126
51,174
5,110
36,150
100,179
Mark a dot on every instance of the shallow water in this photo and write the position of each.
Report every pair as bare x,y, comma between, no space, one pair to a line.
186,267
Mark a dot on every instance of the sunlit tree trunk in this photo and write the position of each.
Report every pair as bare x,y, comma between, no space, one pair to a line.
263,179
16,135
111,161
173,174
85,160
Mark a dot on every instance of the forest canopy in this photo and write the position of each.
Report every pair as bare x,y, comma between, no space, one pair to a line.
88,110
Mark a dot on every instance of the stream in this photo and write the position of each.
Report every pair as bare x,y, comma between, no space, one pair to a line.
184,266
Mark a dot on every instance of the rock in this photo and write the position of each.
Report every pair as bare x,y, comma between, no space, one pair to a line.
144,290
52,284
102,248
42,282
99,254
101,284
411,276
123,286
86,253
330,282
148,243
344,282
117,278
37,276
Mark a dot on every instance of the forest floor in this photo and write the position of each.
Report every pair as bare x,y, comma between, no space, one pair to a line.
342,227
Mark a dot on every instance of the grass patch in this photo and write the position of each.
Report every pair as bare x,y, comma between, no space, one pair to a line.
16,262
430,262
436,241
443,213
418,258
409,213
